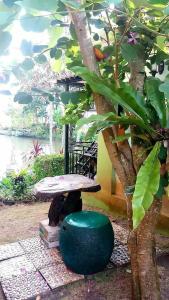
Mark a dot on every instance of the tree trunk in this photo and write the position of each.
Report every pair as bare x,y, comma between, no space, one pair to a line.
146,253
141,244
141,241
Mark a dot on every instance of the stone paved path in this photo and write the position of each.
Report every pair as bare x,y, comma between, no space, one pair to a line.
28,268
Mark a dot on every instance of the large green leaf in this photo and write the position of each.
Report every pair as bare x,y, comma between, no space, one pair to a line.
156,98
167,10
7,14
72,31
42,5
160,56
55,53
73,97
101,122
9,3
164,87
148,3
40,59
23,98
92,118
158,2
121,96
132,52
34,23
147,184
112,119
27,64
5,40
71,4
63,42
26,48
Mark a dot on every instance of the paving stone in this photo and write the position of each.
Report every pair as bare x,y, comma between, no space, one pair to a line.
10,250
15,266
33,244
58,275
120,256
45,257
24,286
116,242
2,296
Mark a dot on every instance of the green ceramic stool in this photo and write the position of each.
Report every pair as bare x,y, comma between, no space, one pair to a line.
86,242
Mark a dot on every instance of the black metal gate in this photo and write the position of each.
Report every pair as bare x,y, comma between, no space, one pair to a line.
83,158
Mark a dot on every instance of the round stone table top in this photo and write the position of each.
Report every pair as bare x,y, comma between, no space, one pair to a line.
51,186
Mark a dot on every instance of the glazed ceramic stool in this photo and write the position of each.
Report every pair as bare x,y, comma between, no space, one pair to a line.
86,242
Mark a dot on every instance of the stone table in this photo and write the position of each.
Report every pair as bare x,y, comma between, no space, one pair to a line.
66,193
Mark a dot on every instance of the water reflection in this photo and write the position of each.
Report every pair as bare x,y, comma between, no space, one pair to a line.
12,150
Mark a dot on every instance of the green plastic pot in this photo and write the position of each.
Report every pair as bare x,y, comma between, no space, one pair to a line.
86,242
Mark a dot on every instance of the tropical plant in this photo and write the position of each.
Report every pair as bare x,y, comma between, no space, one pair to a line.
48,166
124,48
33,153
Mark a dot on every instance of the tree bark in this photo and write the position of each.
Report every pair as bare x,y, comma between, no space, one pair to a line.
141,245
146,253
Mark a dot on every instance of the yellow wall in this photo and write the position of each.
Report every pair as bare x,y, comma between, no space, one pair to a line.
111,196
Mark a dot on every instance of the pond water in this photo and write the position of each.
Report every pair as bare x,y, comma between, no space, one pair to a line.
13,149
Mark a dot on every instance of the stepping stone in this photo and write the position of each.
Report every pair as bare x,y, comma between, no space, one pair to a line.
15,266
33,244
58,275
44,258
120,256
10,250
24,286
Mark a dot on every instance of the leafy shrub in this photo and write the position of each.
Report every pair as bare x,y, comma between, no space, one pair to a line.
16,186
48,165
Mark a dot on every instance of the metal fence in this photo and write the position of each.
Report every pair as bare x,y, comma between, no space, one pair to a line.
83,158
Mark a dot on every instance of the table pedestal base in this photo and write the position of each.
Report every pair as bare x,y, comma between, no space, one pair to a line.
49,234
63,205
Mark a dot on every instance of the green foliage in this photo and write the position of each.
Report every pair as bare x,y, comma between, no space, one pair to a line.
17,186
74,112
122,96
132,52
5,40
7,13
41,59
100,122
55,53
26,48
156,98
42,5
34,23
48,165
149,174
164,87
27,64
23,98
73,97
72,4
